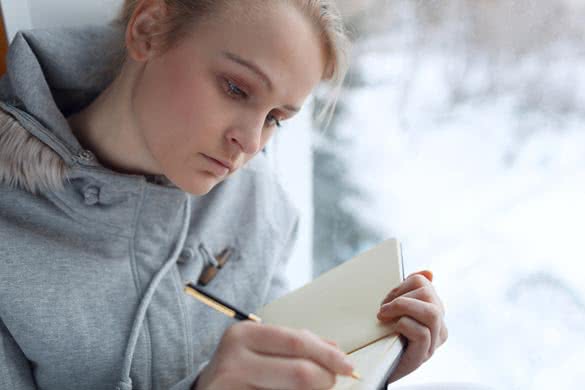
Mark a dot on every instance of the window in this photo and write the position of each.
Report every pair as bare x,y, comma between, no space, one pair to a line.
461,132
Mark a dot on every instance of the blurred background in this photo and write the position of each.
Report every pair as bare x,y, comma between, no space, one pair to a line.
459,131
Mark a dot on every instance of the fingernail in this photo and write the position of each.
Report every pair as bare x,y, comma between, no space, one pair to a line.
429,275
348,366
385,308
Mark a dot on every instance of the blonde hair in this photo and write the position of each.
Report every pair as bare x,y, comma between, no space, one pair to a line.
324,14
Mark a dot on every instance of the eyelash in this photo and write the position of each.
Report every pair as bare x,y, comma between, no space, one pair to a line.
235,92
276,121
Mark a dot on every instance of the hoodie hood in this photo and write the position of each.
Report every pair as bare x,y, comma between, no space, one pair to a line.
54,73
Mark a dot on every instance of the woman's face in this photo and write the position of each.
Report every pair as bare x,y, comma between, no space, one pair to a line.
210,103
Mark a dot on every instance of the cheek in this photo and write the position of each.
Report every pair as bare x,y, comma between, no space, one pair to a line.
173,107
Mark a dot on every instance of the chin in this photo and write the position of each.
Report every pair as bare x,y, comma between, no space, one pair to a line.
199,185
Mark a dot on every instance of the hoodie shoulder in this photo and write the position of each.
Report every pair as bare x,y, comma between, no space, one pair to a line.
263,176
25,162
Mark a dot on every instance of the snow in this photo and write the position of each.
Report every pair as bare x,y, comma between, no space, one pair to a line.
486,189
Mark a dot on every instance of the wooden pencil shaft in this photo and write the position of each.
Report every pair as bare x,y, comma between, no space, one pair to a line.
217,306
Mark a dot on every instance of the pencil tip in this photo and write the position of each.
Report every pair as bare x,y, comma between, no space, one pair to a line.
355,375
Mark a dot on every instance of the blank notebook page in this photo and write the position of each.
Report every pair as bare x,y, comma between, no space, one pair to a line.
342,304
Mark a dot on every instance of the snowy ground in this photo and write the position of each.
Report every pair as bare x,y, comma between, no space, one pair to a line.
489,194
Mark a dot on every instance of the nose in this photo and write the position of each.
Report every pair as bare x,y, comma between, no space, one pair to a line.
247,138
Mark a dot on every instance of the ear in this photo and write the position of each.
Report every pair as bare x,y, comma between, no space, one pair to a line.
144,29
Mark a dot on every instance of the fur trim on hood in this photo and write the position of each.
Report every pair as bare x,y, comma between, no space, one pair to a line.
26,162
51,74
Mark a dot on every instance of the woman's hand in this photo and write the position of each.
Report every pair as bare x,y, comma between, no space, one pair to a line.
258,356
419,312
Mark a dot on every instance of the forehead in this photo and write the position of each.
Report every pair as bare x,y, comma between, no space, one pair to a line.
278,38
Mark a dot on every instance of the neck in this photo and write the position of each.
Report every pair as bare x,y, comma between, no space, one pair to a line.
107,128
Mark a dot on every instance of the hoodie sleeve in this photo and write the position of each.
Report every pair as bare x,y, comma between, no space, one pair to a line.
279,284
15,371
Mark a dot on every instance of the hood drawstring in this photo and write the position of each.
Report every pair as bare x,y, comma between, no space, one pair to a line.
125,382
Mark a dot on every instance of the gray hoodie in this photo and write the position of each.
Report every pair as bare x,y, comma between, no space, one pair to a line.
92,261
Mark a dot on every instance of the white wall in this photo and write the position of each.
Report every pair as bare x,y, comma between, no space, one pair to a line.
25,14
72,12
17,16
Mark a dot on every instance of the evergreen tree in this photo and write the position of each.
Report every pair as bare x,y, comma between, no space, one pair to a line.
339,231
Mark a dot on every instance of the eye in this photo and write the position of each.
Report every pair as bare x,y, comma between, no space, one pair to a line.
234,91
271,120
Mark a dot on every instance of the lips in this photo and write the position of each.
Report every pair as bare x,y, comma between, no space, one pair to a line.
225,163
219,167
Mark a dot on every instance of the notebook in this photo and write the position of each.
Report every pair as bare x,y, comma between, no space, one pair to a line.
342,305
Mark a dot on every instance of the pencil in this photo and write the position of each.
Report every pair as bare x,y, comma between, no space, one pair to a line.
218,304
227,309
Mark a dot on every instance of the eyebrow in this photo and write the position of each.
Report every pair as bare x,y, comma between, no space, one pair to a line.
255,69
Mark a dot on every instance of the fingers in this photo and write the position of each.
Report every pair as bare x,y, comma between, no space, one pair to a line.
418,312
443,335
426,273
425,313
275,372
413,282
331,342
426,293
417,351
255,356
272,340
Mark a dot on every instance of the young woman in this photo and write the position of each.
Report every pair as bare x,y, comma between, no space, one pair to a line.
120,183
